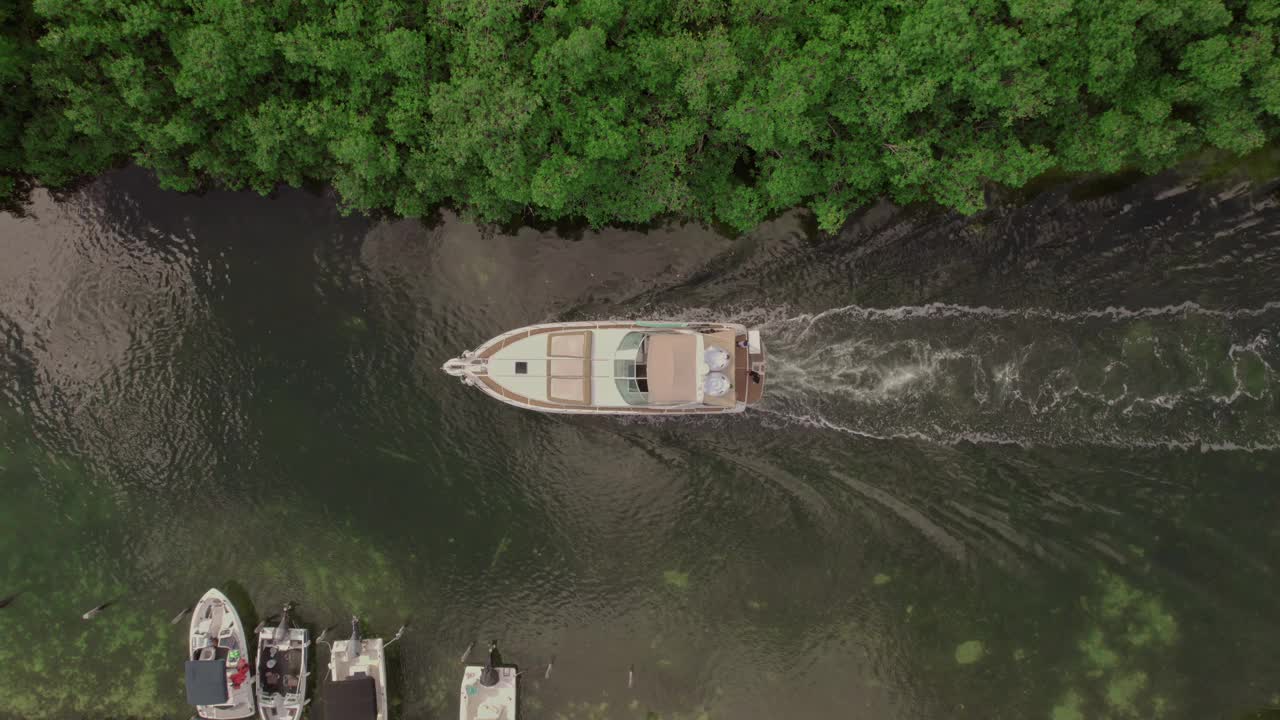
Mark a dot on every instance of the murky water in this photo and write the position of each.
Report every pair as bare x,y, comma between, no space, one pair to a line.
1020,465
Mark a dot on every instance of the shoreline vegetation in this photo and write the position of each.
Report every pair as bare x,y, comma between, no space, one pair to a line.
621,112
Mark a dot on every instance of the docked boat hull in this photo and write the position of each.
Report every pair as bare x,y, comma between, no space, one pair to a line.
282,673
219,677
357,685
620,368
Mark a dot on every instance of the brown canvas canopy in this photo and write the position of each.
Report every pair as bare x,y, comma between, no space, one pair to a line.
672,368
569,367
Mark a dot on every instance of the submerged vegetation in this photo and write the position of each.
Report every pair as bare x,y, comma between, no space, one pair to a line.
127,663
619,111
969,652
1128,633
126,655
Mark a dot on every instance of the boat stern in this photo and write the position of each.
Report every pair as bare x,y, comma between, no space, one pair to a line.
750,368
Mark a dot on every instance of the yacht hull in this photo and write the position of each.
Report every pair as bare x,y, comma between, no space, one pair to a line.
573,368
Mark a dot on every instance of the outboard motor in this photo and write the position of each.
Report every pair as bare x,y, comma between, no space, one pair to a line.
356,646
489,675
282,630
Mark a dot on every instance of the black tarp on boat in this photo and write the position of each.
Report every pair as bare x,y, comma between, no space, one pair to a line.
353,699
206,682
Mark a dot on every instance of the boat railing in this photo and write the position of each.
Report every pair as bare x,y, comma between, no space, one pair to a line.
467,365
594,325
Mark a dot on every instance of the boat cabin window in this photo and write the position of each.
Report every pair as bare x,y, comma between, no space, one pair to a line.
633,341
631,369
632,382
632,349
630,372
633,390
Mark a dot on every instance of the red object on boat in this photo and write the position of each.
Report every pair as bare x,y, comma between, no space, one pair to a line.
242,671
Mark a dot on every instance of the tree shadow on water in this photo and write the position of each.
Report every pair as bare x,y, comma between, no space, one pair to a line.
242,601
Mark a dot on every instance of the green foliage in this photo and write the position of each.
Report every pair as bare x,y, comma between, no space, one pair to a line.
15,65
619,111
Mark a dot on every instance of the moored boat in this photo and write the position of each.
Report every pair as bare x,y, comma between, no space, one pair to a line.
490,691
218,675
282,670
357,686
620,368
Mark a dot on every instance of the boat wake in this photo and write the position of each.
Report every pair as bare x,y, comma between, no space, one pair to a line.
1176,376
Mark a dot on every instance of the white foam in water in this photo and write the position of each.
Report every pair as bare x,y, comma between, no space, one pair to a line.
1180,376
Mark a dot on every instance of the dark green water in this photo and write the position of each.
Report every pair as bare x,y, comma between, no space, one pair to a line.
1021,465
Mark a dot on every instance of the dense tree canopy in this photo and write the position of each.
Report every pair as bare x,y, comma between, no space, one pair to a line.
625,110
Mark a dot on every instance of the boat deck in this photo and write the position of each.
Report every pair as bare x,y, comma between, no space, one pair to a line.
744,388
496,702
284,677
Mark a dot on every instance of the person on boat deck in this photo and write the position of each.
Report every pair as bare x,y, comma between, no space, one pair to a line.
743,344
755,376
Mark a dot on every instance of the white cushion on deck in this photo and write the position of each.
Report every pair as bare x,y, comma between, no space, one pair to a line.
573,344
565,367
572,390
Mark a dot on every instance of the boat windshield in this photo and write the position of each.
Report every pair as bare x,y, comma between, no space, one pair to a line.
631,374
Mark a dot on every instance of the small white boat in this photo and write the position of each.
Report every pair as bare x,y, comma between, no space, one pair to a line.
219,677
282,670
620,368
357,686
490,691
